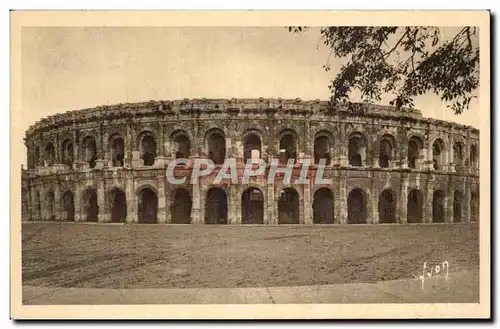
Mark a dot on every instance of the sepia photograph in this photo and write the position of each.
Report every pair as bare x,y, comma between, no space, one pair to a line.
259,165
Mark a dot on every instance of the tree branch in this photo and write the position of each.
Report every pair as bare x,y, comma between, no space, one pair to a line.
396,45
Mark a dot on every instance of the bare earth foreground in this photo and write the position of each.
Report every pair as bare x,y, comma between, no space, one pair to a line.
168,256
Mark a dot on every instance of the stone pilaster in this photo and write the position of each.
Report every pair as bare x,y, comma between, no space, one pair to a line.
234,205
373,216
168,202
106,154
161,141
131,200
104,214
427,206
448,204
57,202
272,205
77,200
229,148
467,199
307,217
57,150
342,199
429,158
162,209
76,146
196,211
403,202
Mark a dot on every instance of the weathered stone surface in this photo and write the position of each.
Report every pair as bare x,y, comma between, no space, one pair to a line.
127,147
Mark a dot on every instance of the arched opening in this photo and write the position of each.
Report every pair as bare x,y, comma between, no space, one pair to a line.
216,206
148,149
252,206
438,199
181,206
474,156
458,156
474,207
356,150
288,207
287,147
90,151
387,207
415,210
458,198
216,146
117,145
49,154
147,206
322,148
252,144
91,208
50,205
356,207
37,157
118,202
68,206
182,144
415,146
386,146
323,207
67,152
438,154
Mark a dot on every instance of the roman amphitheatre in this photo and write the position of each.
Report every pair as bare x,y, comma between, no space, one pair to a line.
94,175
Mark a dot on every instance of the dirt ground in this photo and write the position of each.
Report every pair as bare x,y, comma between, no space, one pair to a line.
150,256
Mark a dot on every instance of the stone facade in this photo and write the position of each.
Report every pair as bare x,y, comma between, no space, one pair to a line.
107,164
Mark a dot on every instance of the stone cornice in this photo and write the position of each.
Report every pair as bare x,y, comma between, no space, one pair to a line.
233,107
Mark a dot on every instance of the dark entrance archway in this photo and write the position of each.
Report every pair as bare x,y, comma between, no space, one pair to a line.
251,142
288,207
474,207
252,206
216,206
438,198
288,145
91,208
117,145
68,206
323,207
415,202
322,147
216,146
50,154
118,205
386,149
148,206
415,144
387,207
438,154
148,146
89,151
181,207
67,152
458,198
182,144
50,205
356,207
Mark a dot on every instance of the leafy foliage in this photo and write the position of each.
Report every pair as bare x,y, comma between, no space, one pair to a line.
403,61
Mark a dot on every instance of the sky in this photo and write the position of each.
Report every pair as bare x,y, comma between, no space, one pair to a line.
69,68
